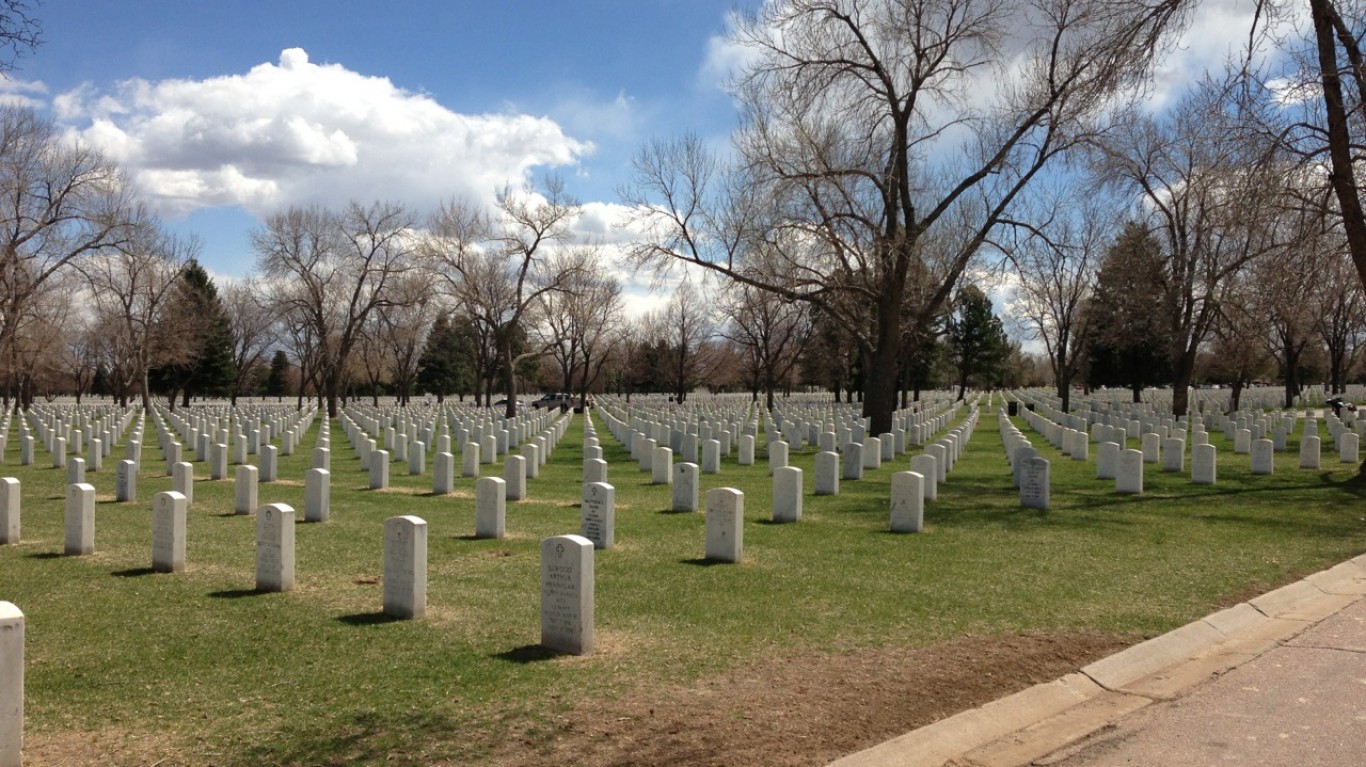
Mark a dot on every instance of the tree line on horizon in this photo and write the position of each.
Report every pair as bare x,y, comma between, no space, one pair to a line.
891,155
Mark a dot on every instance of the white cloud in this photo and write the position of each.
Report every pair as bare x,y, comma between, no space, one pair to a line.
22,93
298,132
1219,30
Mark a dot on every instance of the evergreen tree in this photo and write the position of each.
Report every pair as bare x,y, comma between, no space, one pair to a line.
277,382
445,366
977,341
1132,335
210,370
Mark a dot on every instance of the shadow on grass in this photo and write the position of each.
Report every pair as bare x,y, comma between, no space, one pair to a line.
367,619
235,593
530,653
360,738
703,562
46,555
135,572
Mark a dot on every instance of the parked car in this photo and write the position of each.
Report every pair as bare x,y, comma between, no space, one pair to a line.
551,401
503,403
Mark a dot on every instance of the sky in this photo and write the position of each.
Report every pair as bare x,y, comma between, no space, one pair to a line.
224,112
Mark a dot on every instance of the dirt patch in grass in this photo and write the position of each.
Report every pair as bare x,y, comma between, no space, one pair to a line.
804,710
785,712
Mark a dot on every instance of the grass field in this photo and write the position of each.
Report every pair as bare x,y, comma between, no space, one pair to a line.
220,674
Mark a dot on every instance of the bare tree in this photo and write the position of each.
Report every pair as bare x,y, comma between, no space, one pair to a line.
254,329
873,126
337,270
400,330
680,332
20,32
60,202
579,322
496,268
1210,190
769,332
131,291
1057,265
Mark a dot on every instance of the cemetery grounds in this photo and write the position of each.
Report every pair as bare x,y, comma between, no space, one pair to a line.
832,635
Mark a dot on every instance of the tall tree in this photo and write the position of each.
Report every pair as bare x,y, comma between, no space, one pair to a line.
61,203
331,273
881,148
1209,190
1130,327
277,382
976,340
198,313
497,267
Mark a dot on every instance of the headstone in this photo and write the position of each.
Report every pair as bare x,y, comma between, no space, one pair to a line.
80,519
777,455
515,468
245,497
218,461
1263,456
270,463
1174,455
853,461
531,453
686,487
126,482
661,466
9,511
75,471
1349,448
598,520
1035,489
1129,477
12,688
490,507
58,453
168,532
443,473
1017,462
711,456
1242,442
275,548
26,450
405,567
927,467
1203,464
908,502
1309,452
317,495
594,470
1107,460
1152,447
182,480
322,458
827,473
567,594
746,457
725,524
787,494
872,453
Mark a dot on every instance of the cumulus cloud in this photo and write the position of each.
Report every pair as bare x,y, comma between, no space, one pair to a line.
298,132
22,93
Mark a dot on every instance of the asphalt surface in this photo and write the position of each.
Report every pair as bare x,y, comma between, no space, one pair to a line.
1279,680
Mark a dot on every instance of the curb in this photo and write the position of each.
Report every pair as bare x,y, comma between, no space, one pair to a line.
1028,726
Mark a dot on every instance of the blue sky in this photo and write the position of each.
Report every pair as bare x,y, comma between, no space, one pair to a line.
595,78
223,112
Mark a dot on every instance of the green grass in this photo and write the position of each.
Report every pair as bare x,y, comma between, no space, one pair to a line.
317,677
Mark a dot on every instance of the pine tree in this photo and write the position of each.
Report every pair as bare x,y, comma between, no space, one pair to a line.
277,383
210,370
1132,334
977,340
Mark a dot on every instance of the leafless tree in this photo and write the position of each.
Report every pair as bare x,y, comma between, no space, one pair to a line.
1057,263
682,330
580,322
1211,191
60,202
871,126
335,270
496,267
769,333
130,291
254,330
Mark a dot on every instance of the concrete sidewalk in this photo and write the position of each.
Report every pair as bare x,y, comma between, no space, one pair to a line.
1278,680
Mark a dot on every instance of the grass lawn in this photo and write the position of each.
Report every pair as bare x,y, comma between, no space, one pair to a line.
223,675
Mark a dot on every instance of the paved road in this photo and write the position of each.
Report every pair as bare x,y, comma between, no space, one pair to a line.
1300,704
1278,681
